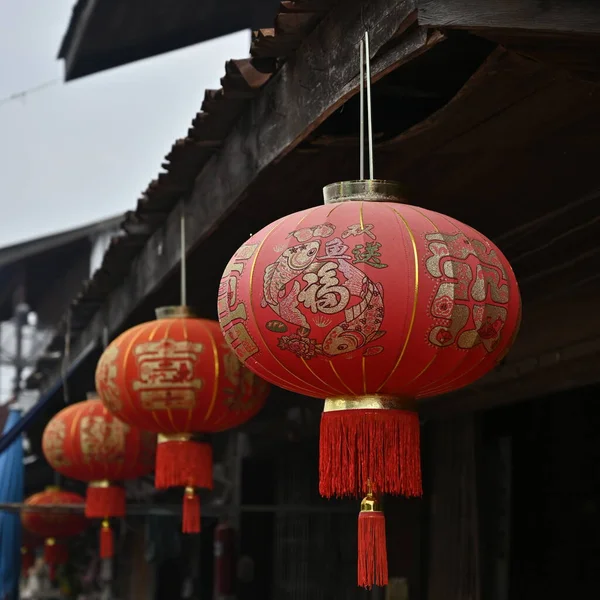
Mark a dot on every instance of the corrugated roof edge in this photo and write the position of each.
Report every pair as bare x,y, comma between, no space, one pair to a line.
219,110
31,247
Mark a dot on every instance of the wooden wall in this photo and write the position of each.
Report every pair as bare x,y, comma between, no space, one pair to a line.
452,531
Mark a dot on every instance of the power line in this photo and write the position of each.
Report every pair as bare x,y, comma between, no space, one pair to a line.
25,93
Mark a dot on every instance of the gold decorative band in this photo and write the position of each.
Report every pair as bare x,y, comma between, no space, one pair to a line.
100,483
368,402
174,437
52,488
364,190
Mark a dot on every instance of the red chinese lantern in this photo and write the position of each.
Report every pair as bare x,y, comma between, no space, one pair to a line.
372,305
177,377
85,441
55,526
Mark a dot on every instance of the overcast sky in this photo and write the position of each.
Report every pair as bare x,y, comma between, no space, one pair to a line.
73,153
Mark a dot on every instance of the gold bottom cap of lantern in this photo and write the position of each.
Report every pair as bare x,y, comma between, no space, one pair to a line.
369,402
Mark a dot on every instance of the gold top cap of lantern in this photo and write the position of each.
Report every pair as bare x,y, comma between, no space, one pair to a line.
174,312
364,190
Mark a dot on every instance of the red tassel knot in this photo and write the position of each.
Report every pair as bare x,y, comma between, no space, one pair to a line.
55,554
372,550
191,511
107,543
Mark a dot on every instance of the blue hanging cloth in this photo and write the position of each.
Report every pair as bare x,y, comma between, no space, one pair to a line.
11,490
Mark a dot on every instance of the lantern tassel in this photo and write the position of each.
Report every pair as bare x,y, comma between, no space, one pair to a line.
104,500
107,543
362,445
182,463
55,554
191,511
27,560
372,547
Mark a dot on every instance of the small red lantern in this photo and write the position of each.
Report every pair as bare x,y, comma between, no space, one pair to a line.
86,442
177,377
372,305
54,527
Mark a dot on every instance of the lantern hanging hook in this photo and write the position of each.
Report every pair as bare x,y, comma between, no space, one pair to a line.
183,260
365,82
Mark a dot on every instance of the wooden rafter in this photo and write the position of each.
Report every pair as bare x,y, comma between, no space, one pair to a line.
559,16
562,33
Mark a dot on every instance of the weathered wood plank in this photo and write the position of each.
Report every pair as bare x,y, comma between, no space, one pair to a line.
568,16
308,88
539,375
450,460
543,360
503,80
578,54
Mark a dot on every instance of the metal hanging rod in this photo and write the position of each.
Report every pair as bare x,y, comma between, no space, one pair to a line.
365,82
183,261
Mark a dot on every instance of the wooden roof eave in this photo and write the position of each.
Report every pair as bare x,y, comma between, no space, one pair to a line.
263,135
322,77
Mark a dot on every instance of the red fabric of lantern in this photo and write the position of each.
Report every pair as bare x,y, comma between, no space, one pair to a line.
54,527
372,305
177,377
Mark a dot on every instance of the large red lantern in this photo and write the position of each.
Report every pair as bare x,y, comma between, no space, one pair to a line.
54,527
85,441
372,305
177,377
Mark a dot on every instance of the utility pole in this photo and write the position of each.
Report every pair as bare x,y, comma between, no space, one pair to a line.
20,319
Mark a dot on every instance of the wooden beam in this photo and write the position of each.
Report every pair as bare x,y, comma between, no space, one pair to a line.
560,16
306,90
208,510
